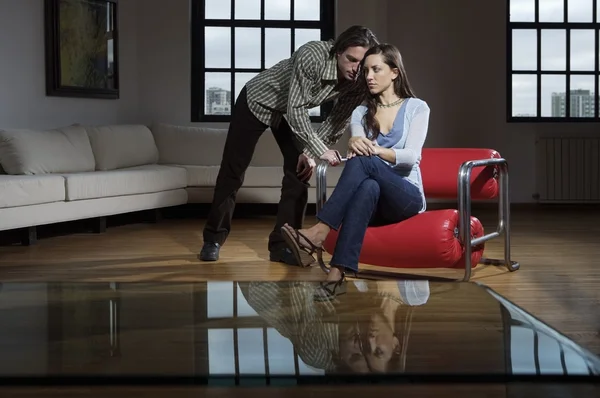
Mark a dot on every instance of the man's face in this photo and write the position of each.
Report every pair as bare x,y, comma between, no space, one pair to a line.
349,62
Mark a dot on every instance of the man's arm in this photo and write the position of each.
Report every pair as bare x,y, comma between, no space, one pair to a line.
304,74
332,129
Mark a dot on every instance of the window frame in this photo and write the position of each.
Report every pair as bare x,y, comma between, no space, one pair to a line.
198,23
539,72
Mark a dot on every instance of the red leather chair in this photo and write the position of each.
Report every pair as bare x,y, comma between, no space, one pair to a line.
438,238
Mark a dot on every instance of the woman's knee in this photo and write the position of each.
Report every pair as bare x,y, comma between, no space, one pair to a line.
369,188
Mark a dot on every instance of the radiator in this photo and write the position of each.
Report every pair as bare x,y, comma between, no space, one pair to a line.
568,170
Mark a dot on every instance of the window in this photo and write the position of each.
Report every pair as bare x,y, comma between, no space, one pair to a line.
234,40
552,51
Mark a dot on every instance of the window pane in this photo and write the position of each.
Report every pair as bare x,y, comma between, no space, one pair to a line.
582,55
583,102
277,9
553,95
240,81
246,9
554,49
277,45
221,354
251,351
247,47
217,101
552,10
316,111
524,95
303,36
522,10
217,47
217,9
580,11
308,10
524,49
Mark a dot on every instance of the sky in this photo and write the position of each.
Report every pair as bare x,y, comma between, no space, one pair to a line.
247,40
553,49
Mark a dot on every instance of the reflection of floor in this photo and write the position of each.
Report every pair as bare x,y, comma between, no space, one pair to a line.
559,280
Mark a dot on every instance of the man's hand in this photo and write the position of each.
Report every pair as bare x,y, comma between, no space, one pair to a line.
332,157
361,146
305,167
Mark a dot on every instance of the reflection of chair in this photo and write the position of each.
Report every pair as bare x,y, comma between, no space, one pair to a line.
440,238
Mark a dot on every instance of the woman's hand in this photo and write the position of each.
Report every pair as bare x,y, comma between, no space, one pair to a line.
361,146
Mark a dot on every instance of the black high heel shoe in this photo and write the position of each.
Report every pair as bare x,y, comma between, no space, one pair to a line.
329,290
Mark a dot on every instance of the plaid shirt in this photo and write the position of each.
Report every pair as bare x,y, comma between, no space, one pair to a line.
305,80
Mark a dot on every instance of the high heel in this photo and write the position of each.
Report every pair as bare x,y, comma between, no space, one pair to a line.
329,290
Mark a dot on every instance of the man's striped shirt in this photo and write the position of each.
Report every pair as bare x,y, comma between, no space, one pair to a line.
305,80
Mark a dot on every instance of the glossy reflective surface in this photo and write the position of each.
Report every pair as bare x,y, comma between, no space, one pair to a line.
275,333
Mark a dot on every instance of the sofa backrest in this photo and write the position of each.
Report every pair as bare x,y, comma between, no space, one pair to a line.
61,150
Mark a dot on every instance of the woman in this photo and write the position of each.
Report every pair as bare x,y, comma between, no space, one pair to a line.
381,179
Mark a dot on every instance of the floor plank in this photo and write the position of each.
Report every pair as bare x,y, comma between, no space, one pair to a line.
559,279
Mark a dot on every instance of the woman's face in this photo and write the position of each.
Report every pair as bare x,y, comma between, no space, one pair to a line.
379,76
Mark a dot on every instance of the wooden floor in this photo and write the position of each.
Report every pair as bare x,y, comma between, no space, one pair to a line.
559,279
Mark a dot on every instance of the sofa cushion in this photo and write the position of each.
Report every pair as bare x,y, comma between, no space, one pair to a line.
257,177
29,190
129,181
62,150
201,146
121,146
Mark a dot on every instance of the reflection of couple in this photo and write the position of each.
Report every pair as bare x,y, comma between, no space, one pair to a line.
340,336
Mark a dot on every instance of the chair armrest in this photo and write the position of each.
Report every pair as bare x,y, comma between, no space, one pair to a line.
322,183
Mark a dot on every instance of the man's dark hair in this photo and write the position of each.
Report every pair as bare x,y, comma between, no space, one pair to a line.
354,36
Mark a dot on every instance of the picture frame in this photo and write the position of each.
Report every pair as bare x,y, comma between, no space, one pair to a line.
82,46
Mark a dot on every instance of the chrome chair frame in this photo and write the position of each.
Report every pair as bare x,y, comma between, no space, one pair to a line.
464,210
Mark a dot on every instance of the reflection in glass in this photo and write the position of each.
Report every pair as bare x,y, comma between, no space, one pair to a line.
217,47
554,88
580,10
524,49
554,49
247,47
277,10
582,50
307,10
277,45
552,11
524,95
582,97
217,99
217,9
522,10
246,9
303,36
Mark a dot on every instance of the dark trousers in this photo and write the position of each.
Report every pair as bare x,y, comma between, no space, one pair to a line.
369,192
244,132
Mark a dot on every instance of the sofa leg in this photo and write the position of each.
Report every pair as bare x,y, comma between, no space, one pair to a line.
99,225
29,236
156,216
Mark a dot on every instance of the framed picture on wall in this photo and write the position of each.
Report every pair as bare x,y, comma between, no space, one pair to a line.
82,48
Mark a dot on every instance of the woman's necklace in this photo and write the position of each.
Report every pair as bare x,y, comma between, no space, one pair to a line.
391,104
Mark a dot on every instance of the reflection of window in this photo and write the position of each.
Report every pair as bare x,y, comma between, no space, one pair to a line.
232,45
552,51
239,339
536,349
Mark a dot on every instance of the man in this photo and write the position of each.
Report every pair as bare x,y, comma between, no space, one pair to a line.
280,98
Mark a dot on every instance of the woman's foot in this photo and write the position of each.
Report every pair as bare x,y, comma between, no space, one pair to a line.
335,274
315,235
305,242
334,285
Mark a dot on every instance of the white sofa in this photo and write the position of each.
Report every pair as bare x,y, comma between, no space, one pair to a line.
79,172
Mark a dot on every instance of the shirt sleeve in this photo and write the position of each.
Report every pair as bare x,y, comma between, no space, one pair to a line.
304,74
357,128
335,125
417,132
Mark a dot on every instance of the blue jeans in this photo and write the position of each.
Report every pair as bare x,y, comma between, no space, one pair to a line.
368,191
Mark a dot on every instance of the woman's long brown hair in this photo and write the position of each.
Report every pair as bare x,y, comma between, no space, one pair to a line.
391,56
